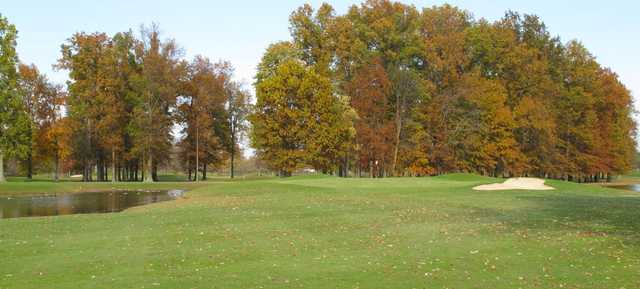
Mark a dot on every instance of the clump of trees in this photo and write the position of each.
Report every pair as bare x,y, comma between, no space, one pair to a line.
125,98
390,90
385,89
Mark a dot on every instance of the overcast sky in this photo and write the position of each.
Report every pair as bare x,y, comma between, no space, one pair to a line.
239,31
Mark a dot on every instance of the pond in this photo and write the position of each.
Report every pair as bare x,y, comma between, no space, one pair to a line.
633,187
79,203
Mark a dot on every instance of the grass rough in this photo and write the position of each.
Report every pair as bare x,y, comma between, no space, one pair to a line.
326,232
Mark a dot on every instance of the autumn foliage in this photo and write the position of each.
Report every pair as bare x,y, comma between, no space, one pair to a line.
434,91
125,99
385,89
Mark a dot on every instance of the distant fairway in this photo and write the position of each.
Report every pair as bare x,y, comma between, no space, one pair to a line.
326,232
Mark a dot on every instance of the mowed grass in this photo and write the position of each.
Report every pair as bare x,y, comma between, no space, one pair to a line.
325,232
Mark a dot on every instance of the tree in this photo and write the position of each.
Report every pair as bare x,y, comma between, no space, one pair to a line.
42,102
201,111
84,56
239,108
375,127
281,117
297,120
14,122
59,139
123,105
430,148
312,35
535,132
391,30
157,91
121,73
617,130
387,87
496,151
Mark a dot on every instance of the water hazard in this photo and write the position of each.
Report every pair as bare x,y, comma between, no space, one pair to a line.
80,203
634,187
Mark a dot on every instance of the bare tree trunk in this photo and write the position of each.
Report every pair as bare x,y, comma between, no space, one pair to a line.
86,171
233,151
113,166
2,179
30,164
99,172
204,171
56,163
398,128
371,175
148,176
197,153
154,171
188,169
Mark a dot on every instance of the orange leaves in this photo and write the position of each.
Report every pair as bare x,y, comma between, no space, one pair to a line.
370,90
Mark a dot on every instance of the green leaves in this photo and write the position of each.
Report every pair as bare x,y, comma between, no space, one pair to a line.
14,122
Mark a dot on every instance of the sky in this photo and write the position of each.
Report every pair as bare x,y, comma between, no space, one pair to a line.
239,31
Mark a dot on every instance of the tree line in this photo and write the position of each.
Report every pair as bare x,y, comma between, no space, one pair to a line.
388,89
385,89
126,97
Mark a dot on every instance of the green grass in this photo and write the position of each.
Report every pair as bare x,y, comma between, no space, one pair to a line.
635,173
325,232
36,187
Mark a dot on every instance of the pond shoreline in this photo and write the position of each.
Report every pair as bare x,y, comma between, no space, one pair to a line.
44,205
40,188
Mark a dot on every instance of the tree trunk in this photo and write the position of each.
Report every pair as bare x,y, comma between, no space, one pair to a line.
56,163
154,171
346,166
85,171
204,171
284,173
197,153
148,176
2,179
133,170
99,170
233,152
113,166
398,128
233,149
30,164
371,175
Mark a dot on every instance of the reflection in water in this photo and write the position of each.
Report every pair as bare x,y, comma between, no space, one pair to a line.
80,203
635,187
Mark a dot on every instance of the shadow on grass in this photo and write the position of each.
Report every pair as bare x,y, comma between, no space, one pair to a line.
589,216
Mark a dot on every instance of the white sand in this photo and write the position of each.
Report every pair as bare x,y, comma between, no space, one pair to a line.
516,184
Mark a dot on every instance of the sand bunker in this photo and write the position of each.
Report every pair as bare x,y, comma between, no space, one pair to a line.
516,184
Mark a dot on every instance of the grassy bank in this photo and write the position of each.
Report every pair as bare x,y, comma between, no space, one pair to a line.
43,185
324,232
